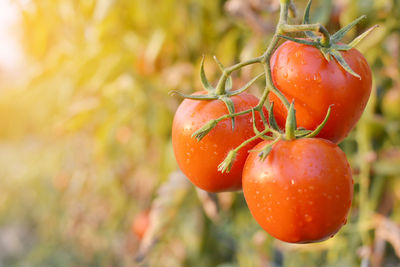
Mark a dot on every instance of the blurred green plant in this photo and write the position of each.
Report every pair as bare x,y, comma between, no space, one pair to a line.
85,140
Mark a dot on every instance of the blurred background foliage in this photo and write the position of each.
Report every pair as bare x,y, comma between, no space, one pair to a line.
85,141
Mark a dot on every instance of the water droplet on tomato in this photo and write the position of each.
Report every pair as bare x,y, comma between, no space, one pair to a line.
308,218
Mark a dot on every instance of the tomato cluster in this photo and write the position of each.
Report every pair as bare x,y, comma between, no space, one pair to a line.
301,191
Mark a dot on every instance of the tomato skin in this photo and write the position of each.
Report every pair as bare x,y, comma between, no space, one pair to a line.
302,74
302,192
199,160
141,223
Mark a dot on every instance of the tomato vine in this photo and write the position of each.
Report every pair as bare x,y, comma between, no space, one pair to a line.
317,36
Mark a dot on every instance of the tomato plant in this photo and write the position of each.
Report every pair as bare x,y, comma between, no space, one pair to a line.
302,192
298,187
303,74
199,160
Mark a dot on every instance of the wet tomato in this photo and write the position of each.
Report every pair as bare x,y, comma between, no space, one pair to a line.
199,160
302,74
301,192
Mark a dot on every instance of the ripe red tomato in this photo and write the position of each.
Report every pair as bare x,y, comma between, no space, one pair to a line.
140,224
302,74
199,160
301,192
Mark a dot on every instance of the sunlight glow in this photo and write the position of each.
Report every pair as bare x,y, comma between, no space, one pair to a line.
11,56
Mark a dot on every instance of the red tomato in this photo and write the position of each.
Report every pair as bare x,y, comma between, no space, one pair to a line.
301,192
199,160
140,224
302,74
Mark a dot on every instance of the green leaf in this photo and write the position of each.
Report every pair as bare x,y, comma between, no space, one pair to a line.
271,117
321,126
306,20
326,53
341,47
291,124
339,58
195,97
301,132
340,33
244,88
231,108
204,130
227,164
300,41
220,65
264,152
357,40
203,77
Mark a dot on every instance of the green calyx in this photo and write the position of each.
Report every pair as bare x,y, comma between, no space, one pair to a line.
330,45
291,130
223,91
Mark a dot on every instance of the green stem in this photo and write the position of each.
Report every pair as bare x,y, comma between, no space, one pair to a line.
265,131
220,89
317,27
